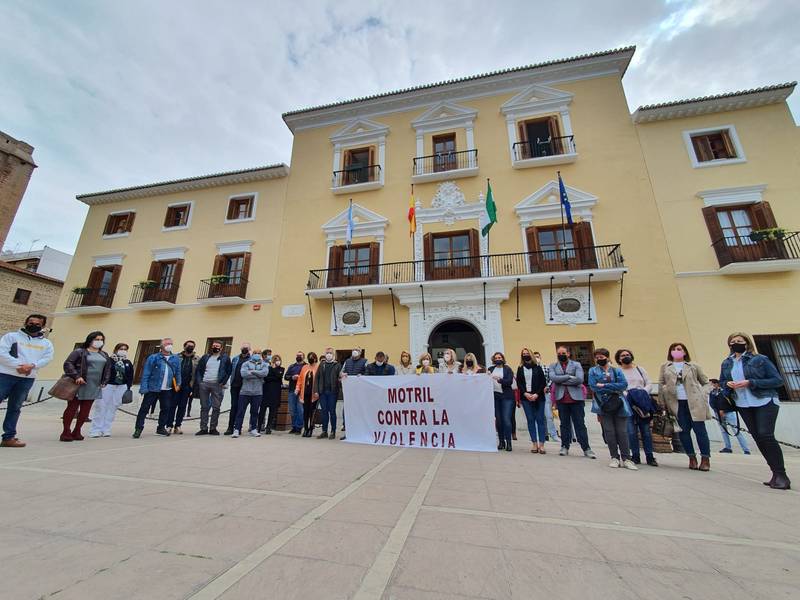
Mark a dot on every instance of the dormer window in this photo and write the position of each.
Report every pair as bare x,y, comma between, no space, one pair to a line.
241,208
119,224
177,216
713,146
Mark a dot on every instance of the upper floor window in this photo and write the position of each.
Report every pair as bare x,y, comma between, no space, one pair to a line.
452,255
541,137
119,223
177,216
709,147
358,166
241,208
444,149
735,232
22,296
356,264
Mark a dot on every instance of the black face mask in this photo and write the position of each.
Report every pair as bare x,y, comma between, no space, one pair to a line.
245,351
602,362
626,360
469,363
739,348
563,358
298,359
312,360
499,362
214,350
526,359
188,349
33,329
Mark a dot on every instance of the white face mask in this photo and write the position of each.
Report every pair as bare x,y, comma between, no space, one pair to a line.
277,363
328,356
426,362
379,363
97,344
356,353
122,353
168,348
447,357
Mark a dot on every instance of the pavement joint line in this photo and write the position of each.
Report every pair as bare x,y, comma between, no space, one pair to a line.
168,482
227,579
671,533
57,456
374,583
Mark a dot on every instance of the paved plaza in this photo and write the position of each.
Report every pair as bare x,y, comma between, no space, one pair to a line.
285,517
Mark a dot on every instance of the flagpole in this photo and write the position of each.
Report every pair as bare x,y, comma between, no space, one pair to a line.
414,233
563,229
488,183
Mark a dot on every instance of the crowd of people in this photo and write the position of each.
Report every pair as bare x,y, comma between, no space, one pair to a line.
748,386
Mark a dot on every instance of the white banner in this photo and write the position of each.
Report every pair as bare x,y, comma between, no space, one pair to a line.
428,411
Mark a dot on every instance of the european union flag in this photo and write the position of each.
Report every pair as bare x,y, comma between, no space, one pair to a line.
564,199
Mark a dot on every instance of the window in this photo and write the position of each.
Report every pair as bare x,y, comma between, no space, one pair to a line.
229,275
359,166
22,296
555,248
713,146
177,216
356,260
451,250
541,137
234,265
227,344
444,148
143,349
241,208
736,225
101,286
730,229
119,223
357,264
452,255
167,276
784,351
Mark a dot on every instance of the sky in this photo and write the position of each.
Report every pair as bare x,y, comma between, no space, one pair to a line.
126,92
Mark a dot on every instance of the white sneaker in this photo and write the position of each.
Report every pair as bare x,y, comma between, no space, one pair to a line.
614,464
254,433
235,433
628,464
95,435
589,453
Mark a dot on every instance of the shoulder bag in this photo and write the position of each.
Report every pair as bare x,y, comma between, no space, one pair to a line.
64,389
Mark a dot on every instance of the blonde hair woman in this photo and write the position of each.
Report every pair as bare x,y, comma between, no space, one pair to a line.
449,364
405,367
471,366
425,365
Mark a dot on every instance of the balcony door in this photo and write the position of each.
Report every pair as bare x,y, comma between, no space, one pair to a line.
232,271
540,137
356,264
444,149
730,228
102,286
452,255
167,275
143,349
553,248
357,163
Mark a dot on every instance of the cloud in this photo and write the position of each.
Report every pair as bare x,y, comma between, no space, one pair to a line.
122,93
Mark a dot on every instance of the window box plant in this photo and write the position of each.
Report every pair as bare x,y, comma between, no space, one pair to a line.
771,234
81,291
148,284
219,279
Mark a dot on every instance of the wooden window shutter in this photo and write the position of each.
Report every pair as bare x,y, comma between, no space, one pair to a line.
109,222
582,234
715,232
374,262
219,265
129,221
176,279
372,171
246,265
726,139
95,277
701,149
532,235
555,134
762,216
348,158
522,132
335,265
427,244
474,252
231,209
154,274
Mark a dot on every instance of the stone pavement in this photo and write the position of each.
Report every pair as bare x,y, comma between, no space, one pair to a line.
285,517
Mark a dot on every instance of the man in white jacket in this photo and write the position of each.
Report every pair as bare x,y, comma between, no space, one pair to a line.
22,354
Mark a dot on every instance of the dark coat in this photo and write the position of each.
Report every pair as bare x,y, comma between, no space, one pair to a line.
76,365
538,382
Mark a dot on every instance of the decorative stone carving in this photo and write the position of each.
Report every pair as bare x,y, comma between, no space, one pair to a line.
491,329
447,198
570,306
346,322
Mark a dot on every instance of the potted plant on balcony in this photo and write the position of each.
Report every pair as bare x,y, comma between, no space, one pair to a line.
770,234
218,279
81,291
148,284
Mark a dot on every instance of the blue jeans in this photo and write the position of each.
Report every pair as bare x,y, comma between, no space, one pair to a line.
687,426
327,407
730,419
296,411
254,402
15,390
548,417
164,399
635,427
503,408
534,413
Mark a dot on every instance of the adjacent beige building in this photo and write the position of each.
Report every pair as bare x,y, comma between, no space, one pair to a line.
16,167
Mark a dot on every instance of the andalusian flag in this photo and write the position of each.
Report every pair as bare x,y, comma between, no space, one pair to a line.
490,218
412,216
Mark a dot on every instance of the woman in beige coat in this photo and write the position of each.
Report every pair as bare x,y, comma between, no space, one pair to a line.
684,388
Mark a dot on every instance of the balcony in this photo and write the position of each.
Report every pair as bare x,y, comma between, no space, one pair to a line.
222,289
446,165
552,151
357,179
604,263
90,300
757,254
158,297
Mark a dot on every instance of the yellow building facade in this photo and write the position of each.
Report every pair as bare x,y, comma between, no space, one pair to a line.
322,255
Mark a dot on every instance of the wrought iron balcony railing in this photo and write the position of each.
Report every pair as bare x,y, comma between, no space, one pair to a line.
157,293
222,286
355,175
483,266
783,246
85,297
445,161
541,148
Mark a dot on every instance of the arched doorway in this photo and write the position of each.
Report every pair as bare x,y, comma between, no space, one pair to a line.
458,335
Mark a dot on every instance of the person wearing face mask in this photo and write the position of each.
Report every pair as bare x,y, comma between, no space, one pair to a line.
608,384
552,432
405,367
305,391
449,364
355,365
381,366
425,365
684,389
161,379
327,389
295,403
236,383
268,415
531,383
471,366
753,381
89,367
181,399
121,380
212,374
22,354
503,377
253,371
566,376
642,406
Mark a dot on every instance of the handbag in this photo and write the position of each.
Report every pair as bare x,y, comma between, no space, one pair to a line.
127,396
663,425
64,389
612,404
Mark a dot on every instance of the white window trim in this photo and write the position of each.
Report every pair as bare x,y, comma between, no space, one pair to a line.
734,137
113,236
356,134
190,203
238,247
750,194
108,260
242,195
163,254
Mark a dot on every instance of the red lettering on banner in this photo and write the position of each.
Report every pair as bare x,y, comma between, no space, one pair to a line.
423,438
413,416
417,395
412,436
392,395
445,420
451,441
423,420
393,438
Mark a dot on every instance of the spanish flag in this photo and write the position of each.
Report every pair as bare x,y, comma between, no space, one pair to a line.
412,217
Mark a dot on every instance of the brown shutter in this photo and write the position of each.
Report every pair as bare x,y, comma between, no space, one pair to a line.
582,236
374,262
523,133
154,274
167,217
534,256
715,232
219,265
348,158
372,170
474,251
427,245
176,280
129,221
335,264
231,205
762,216
246,265
701,150
107,228
115,273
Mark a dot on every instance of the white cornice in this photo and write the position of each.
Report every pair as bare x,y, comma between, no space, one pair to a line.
545,204
366,223
235,247
108,260
169,253
444,115
360,131
536,99
749,194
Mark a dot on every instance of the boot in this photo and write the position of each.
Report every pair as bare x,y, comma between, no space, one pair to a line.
771,481
705,463
693,462
66,434
781,482
501,445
